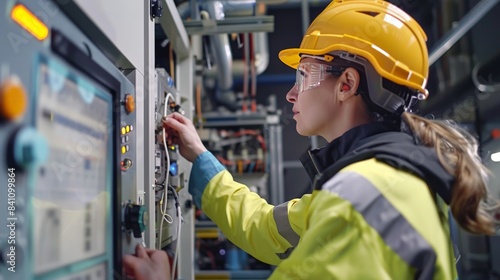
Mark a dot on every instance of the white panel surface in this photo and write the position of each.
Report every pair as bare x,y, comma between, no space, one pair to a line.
123,23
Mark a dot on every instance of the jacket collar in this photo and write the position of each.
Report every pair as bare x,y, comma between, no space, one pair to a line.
317,160
385,143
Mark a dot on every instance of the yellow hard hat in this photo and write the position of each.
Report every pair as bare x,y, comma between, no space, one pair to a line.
391,40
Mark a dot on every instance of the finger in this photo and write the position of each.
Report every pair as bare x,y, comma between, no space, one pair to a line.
181,118
150,251
130,263
158,255
178,117
170,132
141,252
174,124
135,267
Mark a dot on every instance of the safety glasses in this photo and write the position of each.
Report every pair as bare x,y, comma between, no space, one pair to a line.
310,74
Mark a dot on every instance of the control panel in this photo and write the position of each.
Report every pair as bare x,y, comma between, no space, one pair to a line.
168,177
68,144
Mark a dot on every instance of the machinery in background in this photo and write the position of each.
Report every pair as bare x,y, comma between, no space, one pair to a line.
248,145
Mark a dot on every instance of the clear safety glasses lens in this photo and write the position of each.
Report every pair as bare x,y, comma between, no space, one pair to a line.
310,75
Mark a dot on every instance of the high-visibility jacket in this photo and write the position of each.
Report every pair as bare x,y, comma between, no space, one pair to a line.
375,218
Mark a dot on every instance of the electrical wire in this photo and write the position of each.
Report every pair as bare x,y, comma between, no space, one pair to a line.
483,87
165,215
165,197
179,215
198,104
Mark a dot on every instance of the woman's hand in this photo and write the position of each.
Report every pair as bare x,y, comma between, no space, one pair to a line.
181,131
147,264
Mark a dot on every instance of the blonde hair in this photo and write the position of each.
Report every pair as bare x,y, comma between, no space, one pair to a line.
457,152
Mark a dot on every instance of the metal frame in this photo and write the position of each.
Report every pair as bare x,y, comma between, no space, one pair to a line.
230,25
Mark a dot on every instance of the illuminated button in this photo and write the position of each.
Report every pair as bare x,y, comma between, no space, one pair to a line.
127,128
129,103
123,130
29,21
126,147
124,150
124,140
13,99
131,128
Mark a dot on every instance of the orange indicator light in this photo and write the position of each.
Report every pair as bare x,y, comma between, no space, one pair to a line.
29,21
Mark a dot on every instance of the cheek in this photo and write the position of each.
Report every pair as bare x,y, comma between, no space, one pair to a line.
315,111
316,103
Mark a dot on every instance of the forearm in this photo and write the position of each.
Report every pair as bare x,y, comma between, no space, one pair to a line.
245,218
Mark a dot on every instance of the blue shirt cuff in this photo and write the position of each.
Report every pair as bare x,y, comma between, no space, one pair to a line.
205,167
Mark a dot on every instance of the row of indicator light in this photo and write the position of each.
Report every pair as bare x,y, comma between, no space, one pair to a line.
126,129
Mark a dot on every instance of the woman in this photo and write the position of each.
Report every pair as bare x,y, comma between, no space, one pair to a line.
382,184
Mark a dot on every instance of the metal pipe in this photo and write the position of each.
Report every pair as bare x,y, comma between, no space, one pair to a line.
305,16
465,24
260,44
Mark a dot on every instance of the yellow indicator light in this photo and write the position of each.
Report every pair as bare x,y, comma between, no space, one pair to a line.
123,130
29,21
127,128
124,150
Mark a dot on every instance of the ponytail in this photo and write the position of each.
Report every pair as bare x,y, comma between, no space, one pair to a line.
457,152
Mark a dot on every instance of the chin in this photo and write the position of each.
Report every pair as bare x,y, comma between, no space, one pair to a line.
303,132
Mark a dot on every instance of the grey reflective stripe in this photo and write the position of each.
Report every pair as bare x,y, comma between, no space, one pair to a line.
280,214
392,226
286,254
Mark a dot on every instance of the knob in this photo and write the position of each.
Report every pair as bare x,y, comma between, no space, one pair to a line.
13,98
136,219
129,103
28,147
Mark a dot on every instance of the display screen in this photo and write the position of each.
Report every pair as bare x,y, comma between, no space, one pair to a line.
71,195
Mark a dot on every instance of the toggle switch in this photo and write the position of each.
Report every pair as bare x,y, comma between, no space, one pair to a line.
126,164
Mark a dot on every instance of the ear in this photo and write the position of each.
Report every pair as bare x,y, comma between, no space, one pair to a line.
348,84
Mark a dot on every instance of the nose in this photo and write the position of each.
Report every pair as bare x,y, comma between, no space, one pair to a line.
292,94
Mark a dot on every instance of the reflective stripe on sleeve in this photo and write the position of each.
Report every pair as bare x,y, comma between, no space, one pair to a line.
280,214
285,254
382,216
